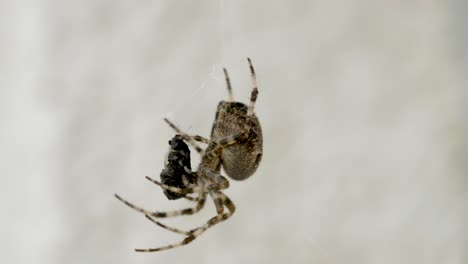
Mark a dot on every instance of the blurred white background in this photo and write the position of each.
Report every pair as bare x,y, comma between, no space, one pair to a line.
361,104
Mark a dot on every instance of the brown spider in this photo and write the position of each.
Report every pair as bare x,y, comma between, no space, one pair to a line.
235,143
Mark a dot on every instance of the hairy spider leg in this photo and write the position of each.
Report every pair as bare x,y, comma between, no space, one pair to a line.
194,233
254,94
191,139
186,190
172,229
228,85
187,211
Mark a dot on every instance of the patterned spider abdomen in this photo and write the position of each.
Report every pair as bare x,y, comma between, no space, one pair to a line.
177,160
239,160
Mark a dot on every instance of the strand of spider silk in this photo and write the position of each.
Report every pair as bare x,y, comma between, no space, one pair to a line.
179,106
187,101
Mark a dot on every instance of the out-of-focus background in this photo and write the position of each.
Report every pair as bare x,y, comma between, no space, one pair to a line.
361,104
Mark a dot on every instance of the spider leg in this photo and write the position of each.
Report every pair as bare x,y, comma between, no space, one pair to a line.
186,182
200,139
224,142
172,229
253,96
190,198
220,200
137,208
228,85
174,189
199,206
229,205
186,211
226,202
191,139
194,233
216,181
219,209
194,138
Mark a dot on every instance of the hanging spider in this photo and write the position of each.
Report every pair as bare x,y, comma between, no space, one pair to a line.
235,144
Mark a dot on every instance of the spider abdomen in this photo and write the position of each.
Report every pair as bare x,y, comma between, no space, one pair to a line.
240,159
239,162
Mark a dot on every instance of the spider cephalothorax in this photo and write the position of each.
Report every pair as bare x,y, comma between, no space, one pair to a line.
236,144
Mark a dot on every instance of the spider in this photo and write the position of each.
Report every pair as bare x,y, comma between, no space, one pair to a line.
235,144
